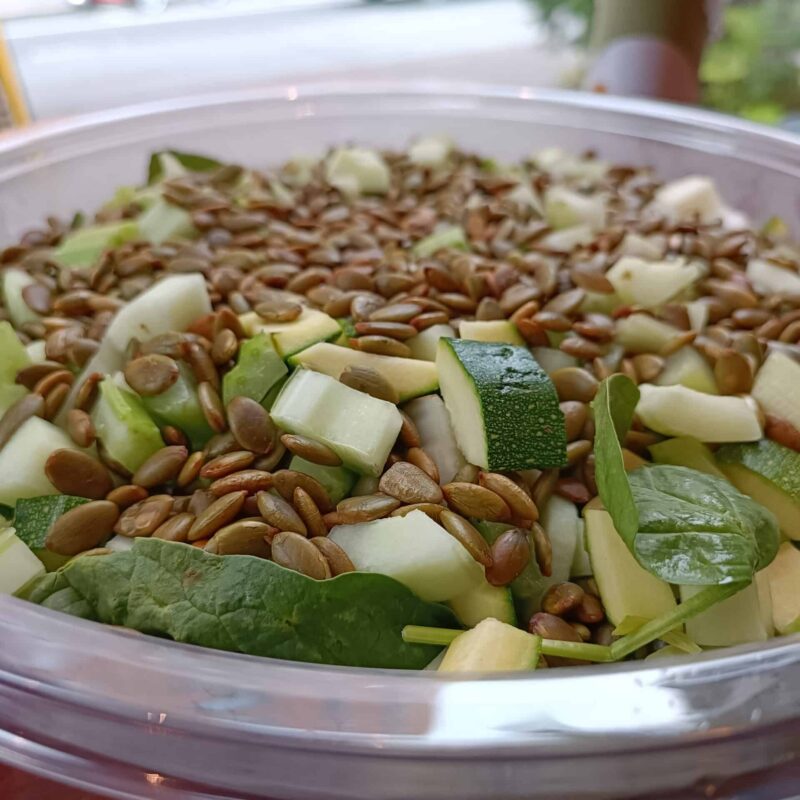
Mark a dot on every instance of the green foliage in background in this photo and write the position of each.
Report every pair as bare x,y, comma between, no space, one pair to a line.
752,69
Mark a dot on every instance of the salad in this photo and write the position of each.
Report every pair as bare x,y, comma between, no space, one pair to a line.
408,410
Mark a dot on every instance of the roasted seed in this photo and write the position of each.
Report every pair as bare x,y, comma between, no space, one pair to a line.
562,598
80,427
544,487
200,361
310,450
161,467
200,500
549,626
573,490
733,373
246,480
396,312
577,450
338,561
280,513
409,484
55,399
782,432
145,516
226,464
126,495
575,416
381,345
511,553
191,469
287,480
251,425
471,500
224,346
368,380
309,512
364,508
542,549
270,461
419,458
151,375
648,366
295,552
517,499
31,375
211,405
468,535
38,298
216,515
574,383
52,380
76,473
409,435
82,528
245,537
175,529
87,391
278,311
432,510
590,610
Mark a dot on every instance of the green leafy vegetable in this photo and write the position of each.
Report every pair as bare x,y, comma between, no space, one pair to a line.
245,604
682,525
191,161
34,517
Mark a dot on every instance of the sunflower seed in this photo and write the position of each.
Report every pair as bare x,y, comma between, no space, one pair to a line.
80,427
517,499
287,480
371,382
310,450
295,552
226,464
246,480
471,500
309,513
511,553
161,467
175,529
338,561
365,508
245,537
280,513
468,535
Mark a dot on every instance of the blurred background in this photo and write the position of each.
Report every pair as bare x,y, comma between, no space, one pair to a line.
63,57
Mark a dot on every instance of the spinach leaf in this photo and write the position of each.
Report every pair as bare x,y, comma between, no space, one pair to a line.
682,525
245,604
191,161
34,517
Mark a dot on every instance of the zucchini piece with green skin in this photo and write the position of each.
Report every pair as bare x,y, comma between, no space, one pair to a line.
492,330
310,327
684,451
83,247
770,474
337,481
484,602
640,333
410,377
783,579
18,565
688,368
430,416
12,283
503,406
14,355
423,345
258,368
359,428
124,427
492,646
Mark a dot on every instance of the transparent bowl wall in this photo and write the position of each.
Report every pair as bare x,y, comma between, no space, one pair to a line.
138,717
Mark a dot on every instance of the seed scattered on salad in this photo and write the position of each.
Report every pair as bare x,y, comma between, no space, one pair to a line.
345,409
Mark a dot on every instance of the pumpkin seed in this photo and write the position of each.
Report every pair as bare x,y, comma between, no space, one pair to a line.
295,552
279,513
310,450
251,425
371,382
151,375
216,515
365,508
574,383
517,499
468,535
549,626
511,553
80,427
161,467
224,347
381,345
175,529
409,484
309,513
191,469
142,518
471,500
246,480
245,537
82,528
287,480
212,408
227,464
126,495
338,561
278,311
77,473
562,598
590,610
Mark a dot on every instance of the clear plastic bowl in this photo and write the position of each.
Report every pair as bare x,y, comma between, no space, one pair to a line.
138,717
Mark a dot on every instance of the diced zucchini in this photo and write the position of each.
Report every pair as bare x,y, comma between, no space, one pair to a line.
493,330
124,427
9,394
626,588
678,411
641,333
310,327
502,405
581,563
484,602
18,564
445,238
688,368
12,282
641,247
690,198
777,387
565,208
783,580
600,303
684,451
83,247
768,278
562,241
258,368
423,345
550,359
650,283
697,311
360,429
23,457
432,152
410,377
14,355
736,620
438,440
414,550
337,481
770,474
560,520
356,170
492,646
36,351
163,220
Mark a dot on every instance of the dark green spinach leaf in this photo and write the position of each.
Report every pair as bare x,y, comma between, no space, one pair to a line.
245,604
192,162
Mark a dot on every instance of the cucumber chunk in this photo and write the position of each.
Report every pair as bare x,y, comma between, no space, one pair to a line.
678,411
684,451
83,247
560,519
163,220
423,345
12,282
356,170
783,580
770,474
777,387
492,646
483,602
124,427
436,433
581,563
626,588
688,368
640,333
445,238
360,429
18,564
414,550
410,377
494,330
258,368
310,327
337,481
503,406
23,457
650,283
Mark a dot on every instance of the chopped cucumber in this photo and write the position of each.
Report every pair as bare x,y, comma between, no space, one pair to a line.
18,564
12,282
423,345
640,333
650,283
494,330
163,220
180,406
15,356
736,620
626,588
581,563
688,368
690,198
272,394
777,387
450,237
410,378
432,152
565,208
23,457
337,481
414,550
550,359
36,351
503,406
678,411
438,440
258,368
783,580
83,247
684,451
492,646
310,327
560,520
360,429
124,427
768,278
356,170
483,602
770,474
